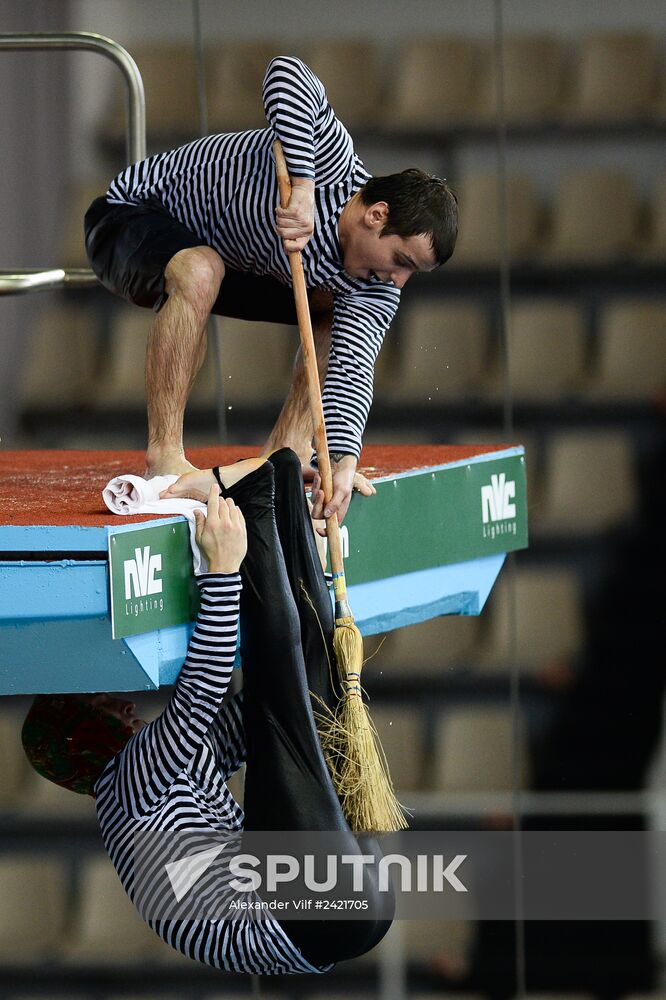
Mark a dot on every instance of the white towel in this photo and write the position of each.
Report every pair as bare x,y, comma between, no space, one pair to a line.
134,495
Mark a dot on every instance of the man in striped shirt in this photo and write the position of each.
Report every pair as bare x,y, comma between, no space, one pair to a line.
195,230
167,780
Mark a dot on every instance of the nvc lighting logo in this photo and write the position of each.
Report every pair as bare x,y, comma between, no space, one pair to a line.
141,580
498,509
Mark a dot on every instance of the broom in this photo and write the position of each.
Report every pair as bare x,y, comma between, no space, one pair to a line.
349,738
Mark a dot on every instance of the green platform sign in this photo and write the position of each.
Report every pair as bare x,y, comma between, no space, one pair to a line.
151,578
436,517
420,520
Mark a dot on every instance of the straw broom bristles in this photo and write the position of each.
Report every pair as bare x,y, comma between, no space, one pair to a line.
352,746
364,783
350,742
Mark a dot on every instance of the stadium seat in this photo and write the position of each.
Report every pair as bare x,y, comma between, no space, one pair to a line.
548,624
147,996
595,218
349,70
59,368
236,785
491,435
631,354
257,360
41,798
238,996
122,381
588,484
106,928
473,750
446,995
479,237
434,84
325,995
615,77
655,247
55,996
401,731
71,248
387,365
533,81
442,351
654,995
547,350
33,908
387,435
234,77
431,648
427,939
559,996
15,767
169,75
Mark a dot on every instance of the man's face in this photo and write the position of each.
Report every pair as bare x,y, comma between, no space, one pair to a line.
373,257
118,707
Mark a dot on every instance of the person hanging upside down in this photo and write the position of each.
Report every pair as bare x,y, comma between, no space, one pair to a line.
171,774
195,230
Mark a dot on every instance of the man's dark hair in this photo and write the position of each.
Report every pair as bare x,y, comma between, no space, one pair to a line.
419,205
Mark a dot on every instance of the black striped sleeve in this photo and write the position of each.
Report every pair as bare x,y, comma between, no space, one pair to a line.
158,753
360,322
293,101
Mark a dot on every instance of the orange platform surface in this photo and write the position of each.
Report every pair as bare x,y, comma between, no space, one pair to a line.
64,487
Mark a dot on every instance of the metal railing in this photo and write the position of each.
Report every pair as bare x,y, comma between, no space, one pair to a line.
21,280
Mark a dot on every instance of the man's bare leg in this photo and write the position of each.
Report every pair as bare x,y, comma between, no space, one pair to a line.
176,350
293,427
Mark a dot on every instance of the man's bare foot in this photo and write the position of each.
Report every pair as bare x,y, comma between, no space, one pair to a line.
191,486
167,463
196,485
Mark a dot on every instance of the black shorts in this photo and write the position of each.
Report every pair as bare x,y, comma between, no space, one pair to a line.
129,247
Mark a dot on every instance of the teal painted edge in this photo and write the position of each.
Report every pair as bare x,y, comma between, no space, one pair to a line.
41,591
378,606
472,460
70,537
67,655
49,538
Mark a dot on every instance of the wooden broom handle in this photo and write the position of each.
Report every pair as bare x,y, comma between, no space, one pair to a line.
311,370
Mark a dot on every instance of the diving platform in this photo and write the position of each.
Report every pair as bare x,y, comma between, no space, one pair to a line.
91,601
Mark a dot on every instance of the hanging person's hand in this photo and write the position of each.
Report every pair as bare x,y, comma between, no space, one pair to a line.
295,223
221,534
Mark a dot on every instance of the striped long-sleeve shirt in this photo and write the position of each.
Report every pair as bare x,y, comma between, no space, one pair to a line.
223,188
169,782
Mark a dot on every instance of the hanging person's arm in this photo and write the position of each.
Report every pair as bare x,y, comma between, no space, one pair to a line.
155,756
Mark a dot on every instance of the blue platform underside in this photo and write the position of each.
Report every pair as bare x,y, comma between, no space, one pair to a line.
77,653
378,607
